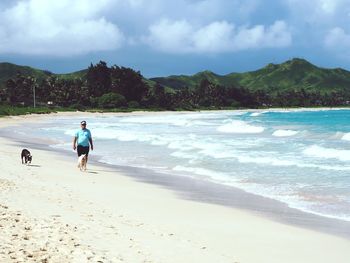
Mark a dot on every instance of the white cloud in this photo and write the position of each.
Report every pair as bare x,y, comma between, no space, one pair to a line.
318,11
73,27
59,28
337,39
327,6
276,35
217,37
191,10
320,24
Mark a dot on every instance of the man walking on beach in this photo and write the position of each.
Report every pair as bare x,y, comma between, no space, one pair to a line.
83,140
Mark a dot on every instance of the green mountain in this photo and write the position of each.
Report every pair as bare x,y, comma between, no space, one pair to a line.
295,74
77,74
9,70
178,82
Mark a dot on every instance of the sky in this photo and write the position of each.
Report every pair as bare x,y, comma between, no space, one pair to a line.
163,37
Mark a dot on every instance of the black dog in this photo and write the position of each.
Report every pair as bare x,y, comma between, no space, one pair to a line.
26,156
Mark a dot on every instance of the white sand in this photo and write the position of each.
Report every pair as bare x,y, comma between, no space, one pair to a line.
52,212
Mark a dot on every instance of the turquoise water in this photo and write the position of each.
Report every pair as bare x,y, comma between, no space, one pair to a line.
301,158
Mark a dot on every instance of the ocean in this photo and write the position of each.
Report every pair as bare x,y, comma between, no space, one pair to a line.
298,157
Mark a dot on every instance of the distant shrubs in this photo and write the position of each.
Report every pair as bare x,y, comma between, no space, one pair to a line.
78,106
133,104
7,110
235,104
3,111
111,100
184,105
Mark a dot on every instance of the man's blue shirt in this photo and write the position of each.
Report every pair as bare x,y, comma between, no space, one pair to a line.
83,136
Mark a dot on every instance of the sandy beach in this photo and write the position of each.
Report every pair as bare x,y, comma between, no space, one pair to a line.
52,212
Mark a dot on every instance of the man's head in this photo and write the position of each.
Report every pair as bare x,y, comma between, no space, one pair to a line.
83,124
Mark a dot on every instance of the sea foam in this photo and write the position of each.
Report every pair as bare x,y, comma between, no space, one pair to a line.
255,114
327,153
346,137
284,133
238,126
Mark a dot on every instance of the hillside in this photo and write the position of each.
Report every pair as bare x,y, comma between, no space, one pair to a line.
178,82
77,74
295,74
9,70
296,82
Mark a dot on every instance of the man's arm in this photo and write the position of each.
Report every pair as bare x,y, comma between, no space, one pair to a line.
74,143
92,146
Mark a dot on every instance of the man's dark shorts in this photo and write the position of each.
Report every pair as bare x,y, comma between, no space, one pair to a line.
83,150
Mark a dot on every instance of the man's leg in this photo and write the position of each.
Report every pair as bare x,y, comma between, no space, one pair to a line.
79,150
86,151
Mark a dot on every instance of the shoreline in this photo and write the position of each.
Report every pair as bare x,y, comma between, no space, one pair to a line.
157,112
208,192
229,196
229,226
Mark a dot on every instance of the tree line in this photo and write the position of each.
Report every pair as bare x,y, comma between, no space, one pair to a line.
119,87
